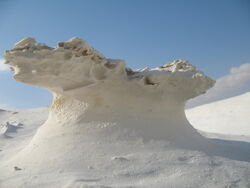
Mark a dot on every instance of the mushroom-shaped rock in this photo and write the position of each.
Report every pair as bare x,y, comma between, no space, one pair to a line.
97,97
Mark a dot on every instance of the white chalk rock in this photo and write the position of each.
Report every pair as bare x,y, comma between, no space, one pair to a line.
96,97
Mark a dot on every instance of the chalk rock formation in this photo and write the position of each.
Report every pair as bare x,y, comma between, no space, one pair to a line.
88,87
98,101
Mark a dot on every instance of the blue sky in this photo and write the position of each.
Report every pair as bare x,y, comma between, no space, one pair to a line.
214,35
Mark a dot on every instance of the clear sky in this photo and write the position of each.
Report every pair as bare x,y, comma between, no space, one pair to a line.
214,35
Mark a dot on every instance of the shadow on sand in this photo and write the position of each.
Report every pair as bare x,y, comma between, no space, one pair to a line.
235,150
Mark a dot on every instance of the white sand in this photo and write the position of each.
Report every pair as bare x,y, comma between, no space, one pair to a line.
230,116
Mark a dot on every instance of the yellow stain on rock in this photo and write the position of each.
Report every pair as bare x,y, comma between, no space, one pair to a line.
97,100
57,102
